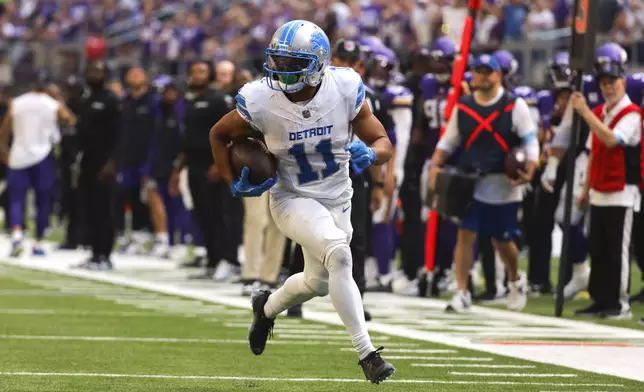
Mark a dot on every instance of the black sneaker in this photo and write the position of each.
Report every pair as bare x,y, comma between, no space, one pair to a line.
295,311
638,298
262,327
367,316
642,321
617,314
375,368
593,310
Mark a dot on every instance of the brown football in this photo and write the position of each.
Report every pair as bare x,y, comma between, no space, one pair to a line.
515,160
253,154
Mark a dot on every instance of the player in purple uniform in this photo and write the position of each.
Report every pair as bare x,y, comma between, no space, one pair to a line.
380,69
429,118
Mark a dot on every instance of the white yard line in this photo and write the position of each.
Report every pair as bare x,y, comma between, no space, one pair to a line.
408,357
622,365
344,336
412,350
289,326
61,312
163,340
472,365
544,375
273,379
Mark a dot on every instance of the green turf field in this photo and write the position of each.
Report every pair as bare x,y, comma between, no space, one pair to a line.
86,337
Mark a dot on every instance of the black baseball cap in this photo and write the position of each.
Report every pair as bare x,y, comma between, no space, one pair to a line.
347,50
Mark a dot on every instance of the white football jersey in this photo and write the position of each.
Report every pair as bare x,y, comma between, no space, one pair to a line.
35,127
308,138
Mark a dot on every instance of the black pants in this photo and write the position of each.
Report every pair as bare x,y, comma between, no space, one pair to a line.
540,230
361,224
140,211
637,238
72,208
209,200
98,200
412,246
610,236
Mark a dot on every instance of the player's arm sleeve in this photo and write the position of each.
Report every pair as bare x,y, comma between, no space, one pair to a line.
403,118
561,137
628,131
526,129
246,108
451,139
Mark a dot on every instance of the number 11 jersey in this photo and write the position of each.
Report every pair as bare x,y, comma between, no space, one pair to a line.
308,138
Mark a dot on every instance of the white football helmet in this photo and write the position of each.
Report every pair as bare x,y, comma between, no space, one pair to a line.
297,56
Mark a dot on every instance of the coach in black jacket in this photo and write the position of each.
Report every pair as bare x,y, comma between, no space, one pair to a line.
204,107
98,128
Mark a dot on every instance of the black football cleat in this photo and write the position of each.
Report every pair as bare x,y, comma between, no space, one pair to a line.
262,327
375,368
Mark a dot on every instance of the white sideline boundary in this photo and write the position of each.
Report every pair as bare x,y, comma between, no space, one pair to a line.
166,340
295,380
539,375
625,369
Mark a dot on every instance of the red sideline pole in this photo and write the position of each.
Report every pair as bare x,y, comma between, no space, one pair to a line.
455,92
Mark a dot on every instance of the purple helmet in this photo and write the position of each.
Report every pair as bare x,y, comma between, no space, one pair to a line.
610,60
442,53
368,44
559,75
380,66
506,60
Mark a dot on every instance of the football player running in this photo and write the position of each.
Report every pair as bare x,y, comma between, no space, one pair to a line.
307,112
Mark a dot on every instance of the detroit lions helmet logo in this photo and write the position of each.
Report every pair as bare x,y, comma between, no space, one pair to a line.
319,42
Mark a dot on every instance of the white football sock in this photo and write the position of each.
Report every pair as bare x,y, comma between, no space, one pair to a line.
346,299
16,235
293,292
163,238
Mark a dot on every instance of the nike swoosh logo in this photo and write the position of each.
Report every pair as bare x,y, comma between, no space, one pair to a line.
345,209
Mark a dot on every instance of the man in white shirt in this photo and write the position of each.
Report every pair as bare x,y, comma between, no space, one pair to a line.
485,126
612,184
33,118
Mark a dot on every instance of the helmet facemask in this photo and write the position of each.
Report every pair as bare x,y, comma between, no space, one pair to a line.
289,72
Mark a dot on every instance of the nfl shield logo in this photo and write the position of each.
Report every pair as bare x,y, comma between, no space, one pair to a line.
306,114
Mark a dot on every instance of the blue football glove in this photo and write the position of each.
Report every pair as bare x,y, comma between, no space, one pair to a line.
361,156
242,188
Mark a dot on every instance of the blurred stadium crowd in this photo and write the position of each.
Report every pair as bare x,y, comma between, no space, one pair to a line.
165,35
